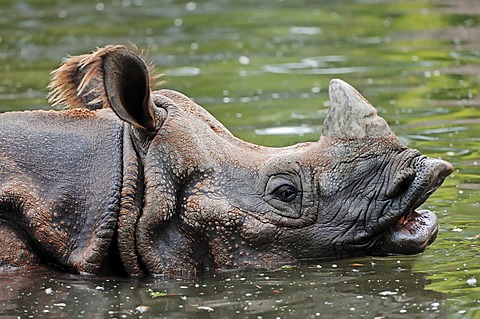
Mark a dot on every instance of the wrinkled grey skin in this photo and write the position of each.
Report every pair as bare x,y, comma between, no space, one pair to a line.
147,182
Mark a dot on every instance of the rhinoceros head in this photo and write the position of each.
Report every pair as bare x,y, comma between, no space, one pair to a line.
212,201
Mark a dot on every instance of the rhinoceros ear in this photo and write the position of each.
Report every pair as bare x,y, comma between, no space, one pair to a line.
110,77
128,89
351,116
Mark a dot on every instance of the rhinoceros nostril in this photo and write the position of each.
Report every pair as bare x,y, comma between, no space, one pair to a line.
401,182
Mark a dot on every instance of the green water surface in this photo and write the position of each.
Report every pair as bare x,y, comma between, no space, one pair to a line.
262,68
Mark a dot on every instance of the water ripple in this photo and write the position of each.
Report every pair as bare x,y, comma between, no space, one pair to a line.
305,30
183,71
314,65
286,130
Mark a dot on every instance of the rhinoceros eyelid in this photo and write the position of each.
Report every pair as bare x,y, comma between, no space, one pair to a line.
286,193
285,188
277,181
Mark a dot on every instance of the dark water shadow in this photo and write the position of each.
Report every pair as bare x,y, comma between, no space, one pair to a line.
362,288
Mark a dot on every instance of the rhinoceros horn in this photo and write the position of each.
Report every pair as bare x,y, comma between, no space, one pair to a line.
351,116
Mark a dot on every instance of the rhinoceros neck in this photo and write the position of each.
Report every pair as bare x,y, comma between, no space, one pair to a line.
186,105
194,156
204,126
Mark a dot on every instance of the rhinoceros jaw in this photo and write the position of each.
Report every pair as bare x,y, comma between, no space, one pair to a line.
351,116
412,231
415,231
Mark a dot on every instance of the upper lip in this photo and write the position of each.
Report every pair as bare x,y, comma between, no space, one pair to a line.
419,195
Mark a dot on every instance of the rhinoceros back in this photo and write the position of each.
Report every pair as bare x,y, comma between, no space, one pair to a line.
60,182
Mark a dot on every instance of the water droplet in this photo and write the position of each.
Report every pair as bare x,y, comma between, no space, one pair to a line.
244,60
190,6
177,22
472,281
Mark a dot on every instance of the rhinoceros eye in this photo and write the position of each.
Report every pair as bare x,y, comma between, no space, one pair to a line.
285,193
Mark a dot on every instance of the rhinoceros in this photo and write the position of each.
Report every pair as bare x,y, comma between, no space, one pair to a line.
131,180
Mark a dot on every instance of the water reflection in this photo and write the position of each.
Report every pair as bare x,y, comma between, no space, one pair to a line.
183,71
285,130
349,288
315,65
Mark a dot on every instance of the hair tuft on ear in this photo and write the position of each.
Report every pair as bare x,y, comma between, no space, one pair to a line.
79,81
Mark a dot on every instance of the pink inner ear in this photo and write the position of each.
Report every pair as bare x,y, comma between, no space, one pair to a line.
351,116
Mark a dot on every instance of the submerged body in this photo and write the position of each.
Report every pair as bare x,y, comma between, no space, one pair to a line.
140,181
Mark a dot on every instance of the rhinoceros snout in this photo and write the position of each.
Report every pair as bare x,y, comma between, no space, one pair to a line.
434,171
413,229
443,168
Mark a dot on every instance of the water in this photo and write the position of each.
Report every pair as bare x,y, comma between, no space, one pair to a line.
368,288
262,68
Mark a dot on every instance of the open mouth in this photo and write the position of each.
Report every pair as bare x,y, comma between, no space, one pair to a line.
411,221
410,217
416,232
413,230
